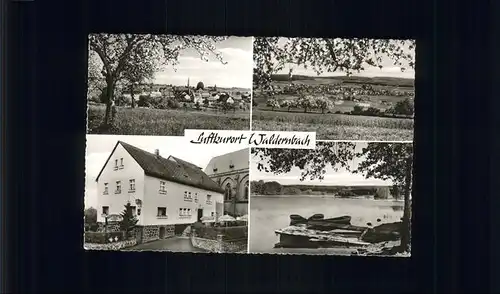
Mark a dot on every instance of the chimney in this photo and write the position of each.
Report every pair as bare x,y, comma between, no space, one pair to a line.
157,152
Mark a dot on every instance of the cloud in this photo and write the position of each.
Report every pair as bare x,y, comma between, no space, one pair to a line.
237,72
237,54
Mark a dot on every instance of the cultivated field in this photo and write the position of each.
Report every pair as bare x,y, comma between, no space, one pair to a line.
335,126
337,123
165,122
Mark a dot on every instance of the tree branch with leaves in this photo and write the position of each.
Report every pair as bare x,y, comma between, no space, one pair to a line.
272,54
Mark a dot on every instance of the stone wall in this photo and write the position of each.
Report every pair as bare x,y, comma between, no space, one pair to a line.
111,227
169,231
110,246
206,244
234,247
219,246
152,233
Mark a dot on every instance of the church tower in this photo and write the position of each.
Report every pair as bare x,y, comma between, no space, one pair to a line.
188,83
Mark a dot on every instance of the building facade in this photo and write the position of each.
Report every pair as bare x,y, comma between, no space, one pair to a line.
230,171
163,192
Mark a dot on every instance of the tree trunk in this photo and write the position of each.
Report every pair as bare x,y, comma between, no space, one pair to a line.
132,95
406,233
305,110
109,117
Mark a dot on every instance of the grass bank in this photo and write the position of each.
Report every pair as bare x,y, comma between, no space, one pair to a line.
165,122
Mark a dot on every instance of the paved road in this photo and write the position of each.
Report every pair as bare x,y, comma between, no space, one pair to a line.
175,244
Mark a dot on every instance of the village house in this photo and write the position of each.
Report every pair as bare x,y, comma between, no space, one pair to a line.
230,171
166,194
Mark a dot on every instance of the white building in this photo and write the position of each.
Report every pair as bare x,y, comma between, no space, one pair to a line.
164,192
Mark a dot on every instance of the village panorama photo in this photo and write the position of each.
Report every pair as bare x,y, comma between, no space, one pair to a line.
342,198
154,193
343,89
141,84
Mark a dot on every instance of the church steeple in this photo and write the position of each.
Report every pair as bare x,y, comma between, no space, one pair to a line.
188,83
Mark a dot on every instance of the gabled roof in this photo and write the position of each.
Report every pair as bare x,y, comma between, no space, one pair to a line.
170,169
238,159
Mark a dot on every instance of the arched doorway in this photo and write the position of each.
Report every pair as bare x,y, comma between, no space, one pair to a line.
162,232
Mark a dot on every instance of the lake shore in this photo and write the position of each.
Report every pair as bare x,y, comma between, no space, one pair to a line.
269,213
326,196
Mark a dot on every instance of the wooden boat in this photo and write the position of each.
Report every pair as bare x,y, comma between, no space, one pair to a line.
319,220
329,224
383,233
316,216
299,237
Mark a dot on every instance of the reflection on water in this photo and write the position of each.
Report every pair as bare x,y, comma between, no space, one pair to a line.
268,214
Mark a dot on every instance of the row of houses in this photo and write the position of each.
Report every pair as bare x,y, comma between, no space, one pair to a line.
168,191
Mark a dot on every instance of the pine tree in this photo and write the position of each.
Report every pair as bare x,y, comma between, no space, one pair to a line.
128,219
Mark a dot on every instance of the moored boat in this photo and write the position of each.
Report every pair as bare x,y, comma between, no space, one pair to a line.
299,237
319,220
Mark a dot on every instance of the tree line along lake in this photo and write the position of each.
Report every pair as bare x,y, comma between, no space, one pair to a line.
269,213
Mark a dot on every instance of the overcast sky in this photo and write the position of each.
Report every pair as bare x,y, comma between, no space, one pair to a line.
341,177
237,51
99,148
388,69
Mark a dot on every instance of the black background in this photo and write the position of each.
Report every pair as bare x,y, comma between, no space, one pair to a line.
44,146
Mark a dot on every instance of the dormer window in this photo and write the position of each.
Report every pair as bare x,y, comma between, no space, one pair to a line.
231,165
215,169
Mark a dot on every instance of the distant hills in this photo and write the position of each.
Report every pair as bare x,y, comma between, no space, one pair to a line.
383,81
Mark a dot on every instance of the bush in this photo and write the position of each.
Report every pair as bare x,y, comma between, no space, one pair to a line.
144,101
91,227
173,104
357,110
102,237
372,111
291,191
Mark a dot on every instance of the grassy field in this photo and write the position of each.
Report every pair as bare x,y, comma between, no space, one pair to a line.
170,122
335,126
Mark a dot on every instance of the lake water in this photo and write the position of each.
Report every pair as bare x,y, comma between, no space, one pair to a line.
269,213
